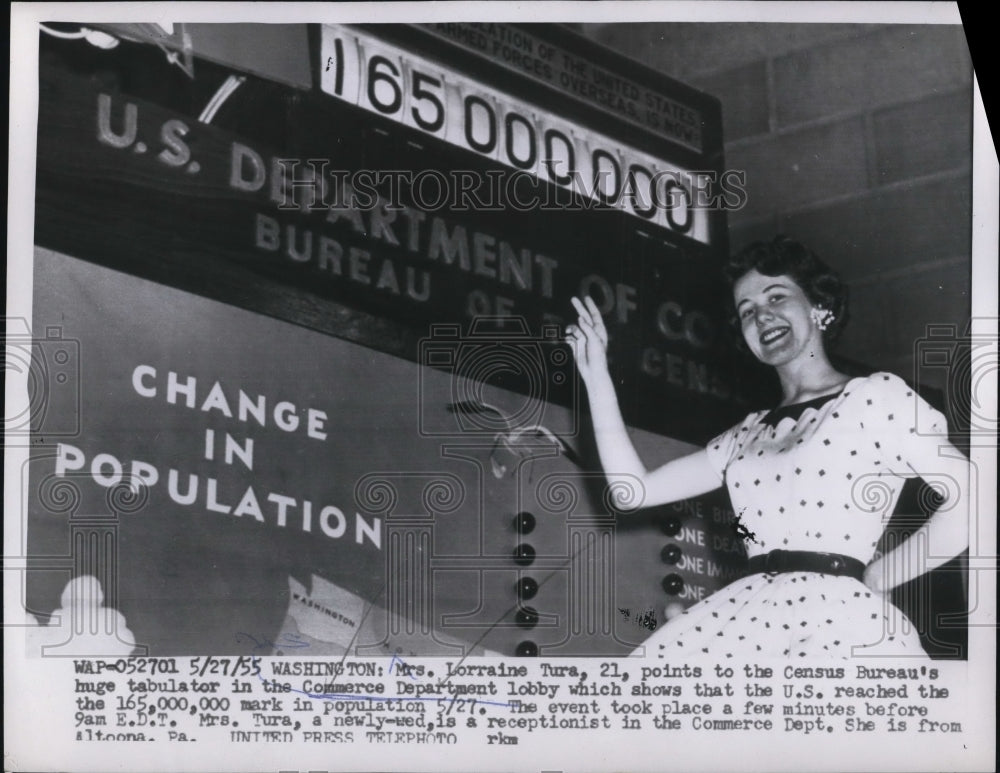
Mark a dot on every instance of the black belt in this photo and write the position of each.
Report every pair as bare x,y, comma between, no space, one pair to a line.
808,561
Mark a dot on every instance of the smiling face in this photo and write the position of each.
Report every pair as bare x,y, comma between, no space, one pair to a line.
774,316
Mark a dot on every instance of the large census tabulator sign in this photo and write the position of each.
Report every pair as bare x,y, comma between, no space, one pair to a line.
216,212
439,101
253,439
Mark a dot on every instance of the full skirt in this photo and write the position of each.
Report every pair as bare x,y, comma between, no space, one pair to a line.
788,615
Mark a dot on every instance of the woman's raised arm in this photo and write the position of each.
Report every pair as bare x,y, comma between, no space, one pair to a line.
632,485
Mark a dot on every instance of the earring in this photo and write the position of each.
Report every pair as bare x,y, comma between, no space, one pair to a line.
821,317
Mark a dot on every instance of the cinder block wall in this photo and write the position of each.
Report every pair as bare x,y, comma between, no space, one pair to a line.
856,140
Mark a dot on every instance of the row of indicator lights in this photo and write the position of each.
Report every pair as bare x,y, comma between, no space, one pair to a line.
673,583
526,587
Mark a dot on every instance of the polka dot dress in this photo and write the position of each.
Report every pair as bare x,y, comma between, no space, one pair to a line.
822,475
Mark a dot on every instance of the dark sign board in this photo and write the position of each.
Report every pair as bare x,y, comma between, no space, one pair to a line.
330,215
411,209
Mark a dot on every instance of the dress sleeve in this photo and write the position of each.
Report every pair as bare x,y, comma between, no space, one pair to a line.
906,430
722,448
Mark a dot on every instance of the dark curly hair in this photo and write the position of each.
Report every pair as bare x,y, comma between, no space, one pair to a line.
785,256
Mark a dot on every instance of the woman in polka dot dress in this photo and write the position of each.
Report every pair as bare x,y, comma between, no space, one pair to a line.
811,480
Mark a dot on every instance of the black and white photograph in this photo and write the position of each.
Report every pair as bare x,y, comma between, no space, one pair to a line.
390,383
